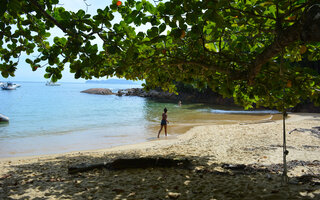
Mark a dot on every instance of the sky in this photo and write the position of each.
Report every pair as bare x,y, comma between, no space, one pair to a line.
24,71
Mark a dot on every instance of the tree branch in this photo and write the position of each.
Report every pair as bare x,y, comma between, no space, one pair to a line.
210,67
308,29
286,37
249,13
49,17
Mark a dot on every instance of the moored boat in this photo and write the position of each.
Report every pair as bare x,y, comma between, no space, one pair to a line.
50,83
4,118
17,85
9,86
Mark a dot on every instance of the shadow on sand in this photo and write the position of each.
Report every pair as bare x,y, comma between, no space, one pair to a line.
49,179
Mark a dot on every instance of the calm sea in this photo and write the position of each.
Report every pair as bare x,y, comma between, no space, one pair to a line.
56,119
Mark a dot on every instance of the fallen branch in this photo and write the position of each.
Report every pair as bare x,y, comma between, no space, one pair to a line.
132,163
314,131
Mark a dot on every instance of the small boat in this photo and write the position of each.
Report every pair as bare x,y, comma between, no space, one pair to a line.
17,85
4,118
50,83
9,86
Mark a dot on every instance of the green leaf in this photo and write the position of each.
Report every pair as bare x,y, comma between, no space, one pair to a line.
3,7
47,34
149,7
54,78
140,34
14,5
65,15
139,6
29,61
153,32
162,28
176,33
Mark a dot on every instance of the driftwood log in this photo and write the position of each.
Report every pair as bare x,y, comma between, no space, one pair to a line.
132,163
315,131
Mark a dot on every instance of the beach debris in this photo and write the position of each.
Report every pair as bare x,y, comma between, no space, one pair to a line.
132,194
133,163
315,131
307,178
258,122
118,191
5,176
234,167
174,195
310,147
268,176
316,127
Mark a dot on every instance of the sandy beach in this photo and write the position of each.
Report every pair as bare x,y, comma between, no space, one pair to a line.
212,149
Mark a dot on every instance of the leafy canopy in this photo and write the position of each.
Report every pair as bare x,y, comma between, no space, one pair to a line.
256,51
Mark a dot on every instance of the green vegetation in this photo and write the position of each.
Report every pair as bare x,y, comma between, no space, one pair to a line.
245,49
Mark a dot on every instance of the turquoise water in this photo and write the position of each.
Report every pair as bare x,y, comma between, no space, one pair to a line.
59,118
56,119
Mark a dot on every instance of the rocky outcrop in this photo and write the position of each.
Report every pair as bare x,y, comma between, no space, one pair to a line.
190,96
184,96
307,107
141,93
199,97
101,91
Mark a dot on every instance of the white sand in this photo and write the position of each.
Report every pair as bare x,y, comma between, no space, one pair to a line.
255,144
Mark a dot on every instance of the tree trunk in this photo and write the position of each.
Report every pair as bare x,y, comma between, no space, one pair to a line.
285,152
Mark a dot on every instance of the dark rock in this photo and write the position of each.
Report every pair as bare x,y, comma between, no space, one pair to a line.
306,107
184,96
234,167
119,93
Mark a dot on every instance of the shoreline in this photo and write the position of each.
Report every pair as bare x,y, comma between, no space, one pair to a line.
258,145
51,144
151,142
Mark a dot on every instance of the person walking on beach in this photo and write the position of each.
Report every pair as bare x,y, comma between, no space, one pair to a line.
164,122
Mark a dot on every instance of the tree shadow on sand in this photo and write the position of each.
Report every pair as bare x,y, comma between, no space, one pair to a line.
49,178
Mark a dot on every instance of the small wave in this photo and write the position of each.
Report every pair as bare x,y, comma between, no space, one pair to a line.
240,111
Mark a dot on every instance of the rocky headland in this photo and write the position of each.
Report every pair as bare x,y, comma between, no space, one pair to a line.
192,97
189,96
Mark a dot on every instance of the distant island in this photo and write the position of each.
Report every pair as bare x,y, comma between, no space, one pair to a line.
115,81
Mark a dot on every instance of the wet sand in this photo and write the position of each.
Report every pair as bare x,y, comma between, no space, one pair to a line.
256,144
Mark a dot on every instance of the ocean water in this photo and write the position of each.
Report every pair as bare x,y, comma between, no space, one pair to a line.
56,119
